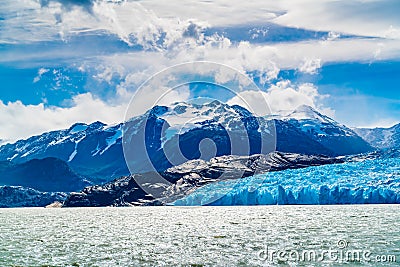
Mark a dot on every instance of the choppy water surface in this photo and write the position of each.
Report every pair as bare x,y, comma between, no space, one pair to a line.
198,236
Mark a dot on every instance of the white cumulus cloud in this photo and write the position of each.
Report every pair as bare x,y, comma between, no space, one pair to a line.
21,121
281,97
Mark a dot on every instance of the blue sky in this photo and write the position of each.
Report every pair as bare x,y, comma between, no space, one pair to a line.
63,61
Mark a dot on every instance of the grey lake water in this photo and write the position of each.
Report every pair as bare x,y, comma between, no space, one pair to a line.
202,236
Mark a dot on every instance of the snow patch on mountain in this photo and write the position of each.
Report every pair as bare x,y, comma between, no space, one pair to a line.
13,157
73,154
113,139
78,127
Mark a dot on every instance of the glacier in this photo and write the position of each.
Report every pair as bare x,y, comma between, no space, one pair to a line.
358,181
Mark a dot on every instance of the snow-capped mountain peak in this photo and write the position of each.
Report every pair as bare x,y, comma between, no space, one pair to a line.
191,115
311,121
182,117
305,112
326,131
182,113
302,112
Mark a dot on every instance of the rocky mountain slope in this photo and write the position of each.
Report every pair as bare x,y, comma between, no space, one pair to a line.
47,175
18,196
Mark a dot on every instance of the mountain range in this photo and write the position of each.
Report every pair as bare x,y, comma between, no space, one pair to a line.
381,138
96,150
68,160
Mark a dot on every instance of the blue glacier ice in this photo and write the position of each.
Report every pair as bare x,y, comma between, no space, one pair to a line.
366,181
